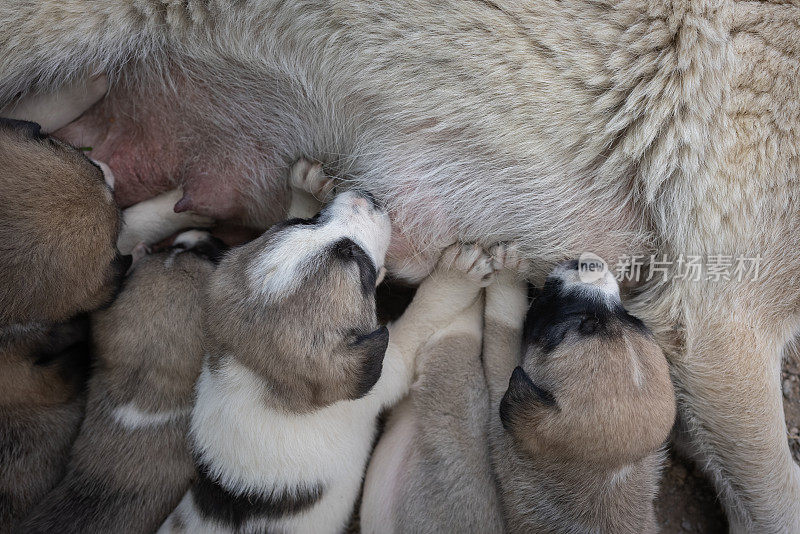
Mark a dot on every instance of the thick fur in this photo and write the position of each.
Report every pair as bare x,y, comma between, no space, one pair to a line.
130,464
58,228
575,433
43,370
565,126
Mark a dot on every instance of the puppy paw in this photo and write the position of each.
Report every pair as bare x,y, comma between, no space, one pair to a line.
469,259
507,257
308,177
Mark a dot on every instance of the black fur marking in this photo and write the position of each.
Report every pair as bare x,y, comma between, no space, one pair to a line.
210,248
64,341
521,394
218,503
556,313
347,250
31,130
296,221
372,349
66,347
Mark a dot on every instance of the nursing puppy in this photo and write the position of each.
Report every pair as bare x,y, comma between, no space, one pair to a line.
298,370
575,432
58,228
431,471
567,127
130,463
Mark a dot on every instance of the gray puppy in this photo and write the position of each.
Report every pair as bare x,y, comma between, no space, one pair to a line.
130,463
564,440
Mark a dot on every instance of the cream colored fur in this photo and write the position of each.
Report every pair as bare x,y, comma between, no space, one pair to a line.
616,127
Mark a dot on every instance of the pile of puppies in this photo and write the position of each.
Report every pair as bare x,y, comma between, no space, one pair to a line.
199,389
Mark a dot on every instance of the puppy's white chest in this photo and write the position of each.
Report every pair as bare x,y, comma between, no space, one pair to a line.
251,446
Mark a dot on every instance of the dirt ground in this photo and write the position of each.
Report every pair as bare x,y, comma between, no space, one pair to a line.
686,501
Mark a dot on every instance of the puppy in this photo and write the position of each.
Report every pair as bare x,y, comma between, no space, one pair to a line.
42,374
297,371
575,432
130,464
430,471
58,228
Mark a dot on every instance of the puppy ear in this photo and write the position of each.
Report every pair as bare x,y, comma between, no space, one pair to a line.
28,129
524,400
369,350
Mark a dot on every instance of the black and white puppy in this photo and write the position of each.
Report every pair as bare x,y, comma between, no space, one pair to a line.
297,371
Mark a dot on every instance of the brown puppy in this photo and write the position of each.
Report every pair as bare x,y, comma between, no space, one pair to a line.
130,464
42,373
58,228
575,434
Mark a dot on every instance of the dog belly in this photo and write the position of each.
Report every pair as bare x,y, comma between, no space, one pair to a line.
232,162
146,148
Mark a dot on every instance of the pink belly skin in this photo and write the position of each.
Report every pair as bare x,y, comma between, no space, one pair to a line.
150,155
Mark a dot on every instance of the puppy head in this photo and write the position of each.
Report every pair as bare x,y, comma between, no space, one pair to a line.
58,229
157,317
297,305
593,385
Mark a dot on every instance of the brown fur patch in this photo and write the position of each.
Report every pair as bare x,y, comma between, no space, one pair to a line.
58,230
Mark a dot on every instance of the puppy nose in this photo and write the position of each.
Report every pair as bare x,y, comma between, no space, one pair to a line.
365,199
590,276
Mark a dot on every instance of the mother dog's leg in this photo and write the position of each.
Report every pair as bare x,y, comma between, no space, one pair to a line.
739,200
728,384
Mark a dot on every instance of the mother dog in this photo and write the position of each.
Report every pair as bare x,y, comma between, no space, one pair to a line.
629,127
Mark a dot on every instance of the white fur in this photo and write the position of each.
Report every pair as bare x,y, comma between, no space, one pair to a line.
190,238
250,447
280,270
155,219
604,287
131,417
108,174
385,471
52,110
